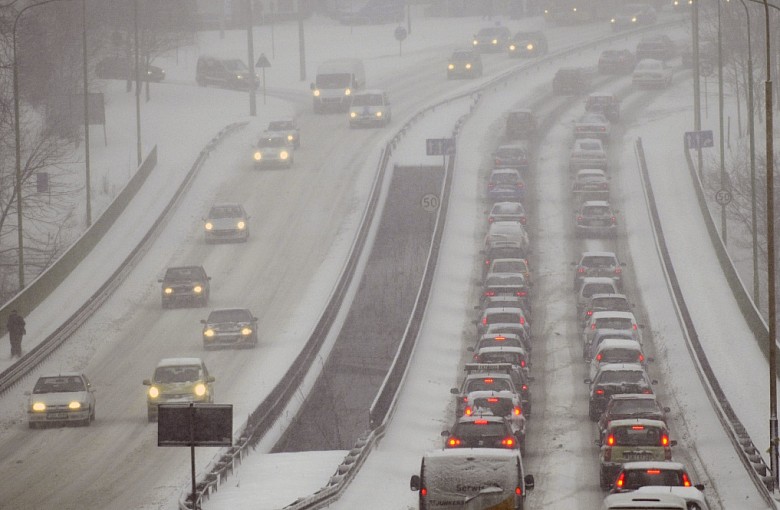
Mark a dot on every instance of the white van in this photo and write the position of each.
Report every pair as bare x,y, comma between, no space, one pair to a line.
473,478
634,501
335,83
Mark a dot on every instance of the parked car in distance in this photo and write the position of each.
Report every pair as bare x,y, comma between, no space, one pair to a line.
185,284
616,62
369,108
571,80
229,327
527,44
464,64
63,398
651,73
178,380
521,125
226,222
120,68
491,39
231,73
287,128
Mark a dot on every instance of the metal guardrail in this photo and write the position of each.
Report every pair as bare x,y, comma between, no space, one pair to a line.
17,371
746,450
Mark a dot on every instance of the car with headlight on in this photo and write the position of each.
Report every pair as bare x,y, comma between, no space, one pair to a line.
63,398
229,327
590,184
226,222
527,44
120,68
287,128
369,108
592,125
588,153
606,104
273,150
632,16
651,73
516,155
464,64
616,62
595,218
178,381
507,211
491,39
230,73
185,285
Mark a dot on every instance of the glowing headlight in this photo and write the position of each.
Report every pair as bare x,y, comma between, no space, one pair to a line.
246,331
39,406
468,66
530,46
451,67
241,225
475,42
613,20
197,289
316,93
495,41
378,114
208,333
258,155
239,77
209,225
512,47
353,114
290,138
154,392
633,20
347,92
284,155
74,405
168,290
200,389
573,9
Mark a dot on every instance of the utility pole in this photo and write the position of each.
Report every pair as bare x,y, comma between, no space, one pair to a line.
301,43
137,85
696,81
723,180
251,57
86,110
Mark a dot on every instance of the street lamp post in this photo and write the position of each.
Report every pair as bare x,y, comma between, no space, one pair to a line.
139,156
723,180
86,110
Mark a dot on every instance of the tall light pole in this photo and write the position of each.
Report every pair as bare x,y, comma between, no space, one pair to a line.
86,109
18,140
723,180
251,57
139,156
696,80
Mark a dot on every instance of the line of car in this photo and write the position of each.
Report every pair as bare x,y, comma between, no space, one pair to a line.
467,62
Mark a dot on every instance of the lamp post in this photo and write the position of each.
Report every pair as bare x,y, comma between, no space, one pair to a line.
139,156
723,180
18,139
86,110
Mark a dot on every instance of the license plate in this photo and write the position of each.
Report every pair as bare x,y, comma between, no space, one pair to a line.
638,456
57,416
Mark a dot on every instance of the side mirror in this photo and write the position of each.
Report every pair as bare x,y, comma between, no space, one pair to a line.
588,381
667,410
445,433
147,382
311,86
622,264
654,381
699,486
203,321
641,326
673,442
475,322
159,280
211,378
470,349
650,359
414,483
531,378
572,263
529,482
454,391
208,278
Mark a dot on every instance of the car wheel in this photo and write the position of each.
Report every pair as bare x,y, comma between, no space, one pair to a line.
93,414
151,416
603,481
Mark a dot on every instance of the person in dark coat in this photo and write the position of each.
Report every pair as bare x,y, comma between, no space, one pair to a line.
15,326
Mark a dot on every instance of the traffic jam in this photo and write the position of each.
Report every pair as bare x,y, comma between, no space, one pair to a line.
494,400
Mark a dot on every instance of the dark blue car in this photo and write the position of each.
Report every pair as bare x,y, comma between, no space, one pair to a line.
505,184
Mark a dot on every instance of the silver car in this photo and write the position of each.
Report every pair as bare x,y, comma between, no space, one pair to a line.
287,128
592,125
590,184
226,222
595,218
651,73
587,153
273,149
63,398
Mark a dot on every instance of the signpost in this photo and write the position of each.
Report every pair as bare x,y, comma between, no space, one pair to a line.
698,139
262,62
440,147
400,34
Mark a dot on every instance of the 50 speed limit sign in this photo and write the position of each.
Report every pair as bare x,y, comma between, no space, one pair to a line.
430,202
723,197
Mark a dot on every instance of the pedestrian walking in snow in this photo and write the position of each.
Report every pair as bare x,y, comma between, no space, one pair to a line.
15,326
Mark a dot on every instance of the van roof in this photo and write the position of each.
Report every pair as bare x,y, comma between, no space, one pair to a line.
340,65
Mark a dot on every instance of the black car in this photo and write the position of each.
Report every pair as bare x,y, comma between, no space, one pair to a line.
521,124
481,432
616,62
464,64
614,379
632,405
229,73
120,68
185,284
229,327
527,44
571,80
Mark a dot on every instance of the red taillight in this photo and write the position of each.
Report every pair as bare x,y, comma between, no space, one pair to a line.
589,313
497,161
468,411
618,270
453,442
517,411
522,319
614,220
598,357
620,481
605,186
647,391
491,219
491,185
653,471
611,440
522,363
489,293
509,442
487,262
637,427
521,293
664,440
492,400
580,269
522,220
602,129
520,185
686,480
633,326
423,492
499,338
489,380
593,326
484,321
641,358
599,392
519,491
579,218
480,422
525,387
465,399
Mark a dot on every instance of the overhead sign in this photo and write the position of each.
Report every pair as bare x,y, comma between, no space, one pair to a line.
195,425
439,146
698,139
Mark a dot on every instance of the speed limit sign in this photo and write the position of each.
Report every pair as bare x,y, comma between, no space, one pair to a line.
430,202
723,197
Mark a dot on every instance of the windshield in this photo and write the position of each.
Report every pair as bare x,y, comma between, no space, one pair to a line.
334,81
367,100
235,65
622,376
280,125
181,274
59,385
225,211
177,374
230,316
272,141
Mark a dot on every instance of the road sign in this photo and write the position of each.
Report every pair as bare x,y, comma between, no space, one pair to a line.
400,34
723,197
698,139
439,146
262,61
430,202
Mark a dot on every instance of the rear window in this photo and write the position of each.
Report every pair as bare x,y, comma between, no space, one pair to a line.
596,288
590,146
642,477
637,435
509,266
500,357
65,384
621,376
488,384
616,304
596,210
614,323
505,178
496,318
506,342
637,406
504,281
598,261
508,208
619,356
